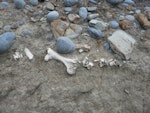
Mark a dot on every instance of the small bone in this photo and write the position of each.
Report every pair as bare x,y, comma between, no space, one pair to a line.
17,55
69,63
111,62
86,63
28,53
83,47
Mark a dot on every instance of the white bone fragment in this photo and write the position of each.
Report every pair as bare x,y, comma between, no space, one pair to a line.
17,55
86,63
69,63
110,62
102,62
28,53
83,47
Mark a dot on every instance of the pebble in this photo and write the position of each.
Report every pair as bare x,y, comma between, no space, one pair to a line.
52,16
137,11
121,17
21,22
26,32
146,8
114,24
130,2
7,28
91,8
75,18
125,4
92,16
114,2
98,24
50,6
20,4
34,2
94,33
7,39
83,12
68,9
93,1
65,45
70,3
130,17
4,4
107,47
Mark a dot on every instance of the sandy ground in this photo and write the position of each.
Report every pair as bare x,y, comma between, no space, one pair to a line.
45,87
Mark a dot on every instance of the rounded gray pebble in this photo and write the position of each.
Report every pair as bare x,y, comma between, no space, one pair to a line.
20,4
52,16
6,41
65,45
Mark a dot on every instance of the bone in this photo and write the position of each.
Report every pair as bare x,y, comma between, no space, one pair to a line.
28,53
71,64
83,47
17,55
86,63
110,62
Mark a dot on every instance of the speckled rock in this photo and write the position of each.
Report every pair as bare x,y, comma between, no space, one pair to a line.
94,33
6,41
52,16
20,4
34,2
65,45
125,24
83,12
70,3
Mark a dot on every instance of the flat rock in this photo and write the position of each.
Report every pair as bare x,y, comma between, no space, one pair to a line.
143,21
59,27
64,28
98,24
122,43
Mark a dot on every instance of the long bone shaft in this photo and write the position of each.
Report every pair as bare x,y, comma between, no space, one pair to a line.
69,63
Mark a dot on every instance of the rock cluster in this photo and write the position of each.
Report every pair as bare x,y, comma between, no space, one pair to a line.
70,20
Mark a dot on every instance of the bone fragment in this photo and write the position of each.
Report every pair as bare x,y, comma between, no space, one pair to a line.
86,63
28,53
